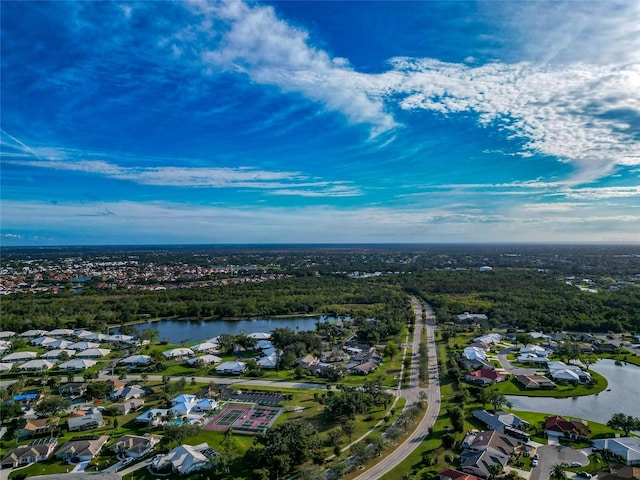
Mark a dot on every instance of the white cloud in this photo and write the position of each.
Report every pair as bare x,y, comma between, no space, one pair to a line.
130,222
272,52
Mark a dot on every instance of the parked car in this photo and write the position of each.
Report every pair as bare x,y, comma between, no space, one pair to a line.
536,457
576,464
584,474
534,463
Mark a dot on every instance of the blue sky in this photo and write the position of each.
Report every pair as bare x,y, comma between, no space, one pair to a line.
320,122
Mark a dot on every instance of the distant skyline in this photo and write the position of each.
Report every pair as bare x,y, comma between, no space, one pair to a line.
319,122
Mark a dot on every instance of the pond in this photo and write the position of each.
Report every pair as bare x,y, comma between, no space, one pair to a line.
622,395
194,331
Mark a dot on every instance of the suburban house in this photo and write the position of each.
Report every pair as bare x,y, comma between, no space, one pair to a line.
93,353
483,449
186,459
535,382
362,368
559,427
475,357
620,472
73,390
60,332
503,422
626,449
135,446
31,427
58,344
205,360
178,353
269,361
54,354
467,317
561,372
183,404
485,377
91,419
450,474
153,416
36,366
129,406
33,333
16,357
128,392
205,347
5,367
308,361
82,448
136,360
83,345
77,364
42,341
232,367
206,405
36,451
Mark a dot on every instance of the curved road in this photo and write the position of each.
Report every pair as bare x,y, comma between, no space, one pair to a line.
411,394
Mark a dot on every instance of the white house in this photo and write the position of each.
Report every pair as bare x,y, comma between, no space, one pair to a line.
135,360
205,359
60,343
531,358
82,448
33,333
83,345
60,332
206,405
42,341
96,337
626,448
181,352
118,338
77,364
270,361
536,350
19,357
82,333
260,335
36,366
94,353
5,367
185,459
205,347
128,392
54,354
153,416
233,367
92,419
135,446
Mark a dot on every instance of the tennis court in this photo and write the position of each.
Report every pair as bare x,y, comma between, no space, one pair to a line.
249,419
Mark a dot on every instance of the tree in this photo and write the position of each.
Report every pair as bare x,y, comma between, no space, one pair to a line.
312,472
390,350
626,423
51,406
99,389
498,400
348,428
524,339
557,472
180,432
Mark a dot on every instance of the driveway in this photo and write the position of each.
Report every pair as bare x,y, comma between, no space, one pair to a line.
506,364
551,455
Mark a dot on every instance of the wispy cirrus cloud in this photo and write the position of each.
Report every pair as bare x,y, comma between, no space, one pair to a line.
277,182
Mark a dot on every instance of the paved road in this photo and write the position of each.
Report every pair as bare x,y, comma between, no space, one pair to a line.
551,455
411,394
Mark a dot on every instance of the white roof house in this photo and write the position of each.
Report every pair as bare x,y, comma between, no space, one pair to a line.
185,397
60,332
206,405
77,364
474,353
264,344
183,408
19,356
185,459
181,352
94,353
96,337
83,345
232,367
128,392
7,334
57,344
204,347
489,338
53,354
5,367
33,333
560,371
260,335
534,350
531,358
42,341
82,333
270,361
152,416
136,360
36,366
627,448
120,338
91,419
205,359
466,317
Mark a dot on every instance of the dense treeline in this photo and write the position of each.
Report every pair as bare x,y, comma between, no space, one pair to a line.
526,299
303,295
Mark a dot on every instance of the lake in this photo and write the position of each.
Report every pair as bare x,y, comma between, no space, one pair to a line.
624,396
199,330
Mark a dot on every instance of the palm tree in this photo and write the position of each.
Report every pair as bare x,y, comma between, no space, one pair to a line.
557,472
